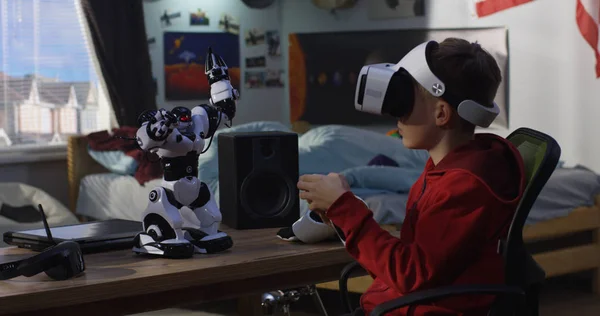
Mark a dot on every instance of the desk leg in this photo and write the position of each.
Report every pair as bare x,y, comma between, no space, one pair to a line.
250,305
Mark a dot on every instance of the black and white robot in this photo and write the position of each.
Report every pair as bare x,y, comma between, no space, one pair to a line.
182,216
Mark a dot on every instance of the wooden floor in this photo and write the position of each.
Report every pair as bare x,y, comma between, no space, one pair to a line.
561,297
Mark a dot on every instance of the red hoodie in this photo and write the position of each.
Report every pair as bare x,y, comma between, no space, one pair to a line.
456,212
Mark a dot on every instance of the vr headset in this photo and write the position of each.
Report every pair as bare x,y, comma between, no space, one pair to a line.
60,262
387,89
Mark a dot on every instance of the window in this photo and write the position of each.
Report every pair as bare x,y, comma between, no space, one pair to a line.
49,87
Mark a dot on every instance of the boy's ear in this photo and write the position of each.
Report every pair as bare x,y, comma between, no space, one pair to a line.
443,113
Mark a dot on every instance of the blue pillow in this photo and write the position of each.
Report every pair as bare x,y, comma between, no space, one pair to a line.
115,161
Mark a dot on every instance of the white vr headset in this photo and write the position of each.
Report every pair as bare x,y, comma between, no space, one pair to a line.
387,89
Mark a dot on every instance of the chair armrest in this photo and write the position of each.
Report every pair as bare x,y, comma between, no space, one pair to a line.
428,296
348,270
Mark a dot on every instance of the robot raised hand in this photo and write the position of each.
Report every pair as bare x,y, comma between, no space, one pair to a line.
222,94
182,216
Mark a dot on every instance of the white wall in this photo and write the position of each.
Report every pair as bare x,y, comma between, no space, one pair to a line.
255,104
552,86
552,81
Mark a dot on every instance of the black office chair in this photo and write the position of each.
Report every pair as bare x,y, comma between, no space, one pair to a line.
523,276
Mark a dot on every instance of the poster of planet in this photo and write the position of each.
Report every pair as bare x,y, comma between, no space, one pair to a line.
184,56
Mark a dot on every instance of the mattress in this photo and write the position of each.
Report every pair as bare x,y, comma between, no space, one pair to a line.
108,195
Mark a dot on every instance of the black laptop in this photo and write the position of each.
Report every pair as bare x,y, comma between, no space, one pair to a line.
113,234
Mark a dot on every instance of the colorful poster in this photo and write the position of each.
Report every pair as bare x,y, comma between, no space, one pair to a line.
184,55
199,18
229,24
166,17
273,43
255,79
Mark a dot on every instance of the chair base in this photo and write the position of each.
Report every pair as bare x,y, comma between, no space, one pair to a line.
280,301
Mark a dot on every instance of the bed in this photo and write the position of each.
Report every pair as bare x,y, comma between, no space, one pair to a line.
565,238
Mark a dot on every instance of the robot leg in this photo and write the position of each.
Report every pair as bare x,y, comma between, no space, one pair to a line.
207,238
162,223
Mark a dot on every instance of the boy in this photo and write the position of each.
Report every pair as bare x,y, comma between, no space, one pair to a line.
457,210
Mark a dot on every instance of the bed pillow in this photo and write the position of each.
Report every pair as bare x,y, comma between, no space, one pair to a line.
16,196
115,161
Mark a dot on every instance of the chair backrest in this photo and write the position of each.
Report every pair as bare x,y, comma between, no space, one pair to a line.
540,153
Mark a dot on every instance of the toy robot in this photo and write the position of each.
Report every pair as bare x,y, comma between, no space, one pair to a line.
182,217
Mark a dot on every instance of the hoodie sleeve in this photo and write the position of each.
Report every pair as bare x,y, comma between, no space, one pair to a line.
452,227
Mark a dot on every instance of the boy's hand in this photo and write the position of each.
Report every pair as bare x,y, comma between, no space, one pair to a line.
322,191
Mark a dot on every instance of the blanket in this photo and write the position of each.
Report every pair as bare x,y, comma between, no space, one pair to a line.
341,149
103,145
373,163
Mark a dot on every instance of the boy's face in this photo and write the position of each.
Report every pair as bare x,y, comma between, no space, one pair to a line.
421,129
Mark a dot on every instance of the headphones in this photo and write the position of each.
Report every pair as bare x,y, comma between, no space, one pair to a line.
388,89
60,262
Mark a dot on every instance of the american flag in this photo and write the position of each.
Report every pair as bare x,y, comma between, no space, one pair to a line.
486,7
588,20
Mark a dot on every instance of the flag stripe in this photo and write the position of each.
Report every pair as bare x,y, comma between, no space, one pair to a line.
487,7
589,29
592,7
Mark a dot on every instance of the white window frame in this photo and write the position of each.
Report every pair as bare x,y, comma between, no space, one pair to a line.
32,153
21,154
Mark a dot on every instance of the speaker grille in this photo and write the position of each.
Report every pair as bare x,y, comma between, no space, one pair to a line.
258,172
265,194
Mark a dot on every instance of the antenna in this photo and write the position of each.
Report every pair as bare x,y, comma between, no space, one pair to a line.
48,232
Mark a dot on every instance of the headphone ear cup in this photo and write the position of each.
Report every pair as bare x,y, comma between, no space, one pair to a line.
70,262
60,272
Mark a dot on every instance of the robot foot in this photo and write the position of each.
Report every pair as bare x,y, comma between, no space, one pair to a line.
207,244
170,248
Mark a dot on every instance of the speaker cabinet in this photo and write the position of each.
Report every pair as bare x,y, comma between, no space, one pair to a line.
258,174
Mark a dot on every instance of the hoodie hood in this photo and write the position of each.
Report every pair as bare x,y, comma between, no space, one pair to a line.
492,159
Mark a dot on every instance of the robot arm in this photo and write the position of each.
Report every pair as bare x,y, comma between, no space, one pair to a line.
155,128
207,119
222,94
223,98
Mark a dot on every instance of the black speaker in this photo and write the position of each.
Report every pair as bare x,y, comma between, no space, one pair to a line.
258,174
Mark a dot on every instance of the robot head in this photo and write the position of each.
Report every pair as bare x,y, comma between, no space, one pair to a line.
388,89
184,117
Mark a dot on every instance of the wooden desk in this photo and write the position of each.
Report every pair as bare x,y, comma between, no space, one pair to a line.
121,282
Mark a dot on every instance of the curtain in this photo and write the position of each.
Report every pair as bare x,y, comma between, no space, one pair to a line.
119,38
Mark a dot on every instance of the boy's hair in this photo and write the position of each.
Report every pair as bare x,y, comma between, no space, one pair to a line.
467,70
